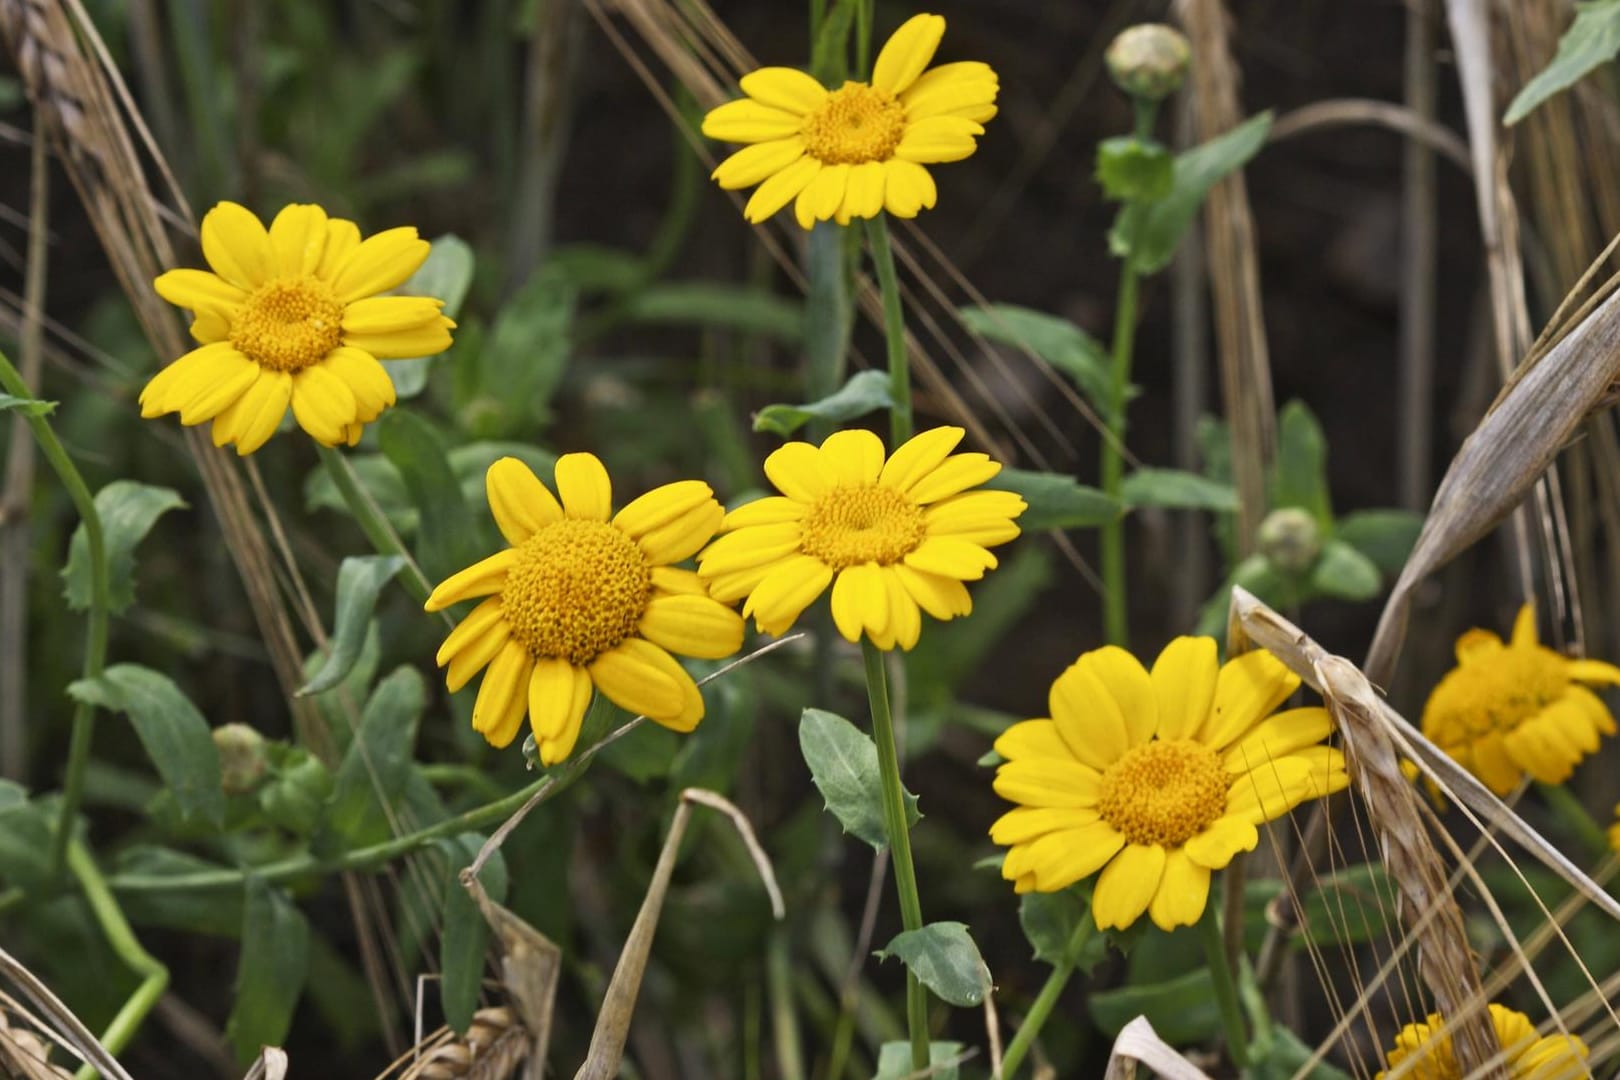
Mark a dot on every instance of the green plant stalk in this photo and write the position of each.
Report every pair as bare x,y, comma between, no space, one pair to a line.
1574,813
1046,999
894,331
1226,997
1116,626
95,638
372,521
863,38
894,825
110,917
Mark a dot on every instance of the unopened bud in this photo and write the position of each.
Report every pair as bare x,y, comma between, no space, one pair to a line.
1290,540
242,759
1149,60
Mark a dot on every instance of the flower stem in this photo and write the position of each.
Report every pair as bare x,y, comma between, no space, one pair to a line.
894,331
1237,1036
899,834
1046,999
1574,813
95,646
110,917
372,521
1115,624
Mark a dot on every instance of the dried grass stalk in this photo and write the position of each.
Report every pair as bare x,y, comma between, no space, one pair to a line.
1138,1044
68,1030
23,1054
495,1046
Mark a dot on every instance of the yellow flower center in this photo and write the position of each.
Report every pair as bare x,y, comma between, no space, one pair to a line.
857,123
288,324
578,589
1164,792
849,526
1495,694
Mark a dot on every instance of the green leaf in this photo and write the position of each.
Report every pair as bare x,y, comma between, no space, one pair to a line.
1177,489
1300,477
466,934
844,764
1057,341
174,733
1056,501
1345,573
1182,1010
829,58
419,452
894,1061
1348,906
12,795
446,275
1051,922
865,392
377,765
1149,233
128,511
26,829
944,958
195,911
523,360
1282,1057
270,975
360,580
1257,575
296,794
1134,170
1386,537
26,406
718,306
1593,39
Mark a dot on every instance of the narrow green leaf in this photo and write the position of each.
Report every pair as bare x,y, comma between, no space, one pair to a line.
844,764
894,1061
377,765
466,934
128,511
718,306
420,454
1182,1010
174,733
1056,501
26,406
865,392
379,477
1177,489
446,275
944,958
524,357
1300,478
1134,170
1283,1056
1057,341
360,580
1149,233
270,975
1344,572
1593,39
1386,537
1349,905
829,57
205,911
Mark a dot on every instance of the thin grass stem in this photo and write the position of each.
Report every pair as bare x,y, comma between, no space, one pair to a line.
894,330
372,521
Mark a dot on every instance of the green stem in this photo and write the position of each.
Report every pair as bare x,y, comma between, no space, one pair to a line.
1115,624
95,643
1575,814
1237,1036
372,521
110,917
899,834
894,331
1046,999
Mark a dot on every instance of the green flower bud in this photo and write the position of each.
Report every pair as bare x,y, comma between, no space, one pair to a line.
1149,60
242,758
296,798
1290,540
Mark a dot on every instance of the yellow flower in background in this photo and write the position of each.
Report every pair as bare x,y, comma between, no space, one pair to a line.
291,316
861,149
1156,778
893,538
1507,711
1614,831
1526,1056
585,598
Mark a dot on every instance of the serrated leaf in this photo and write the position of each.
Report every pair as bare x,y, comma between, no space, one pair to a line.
1343,572
377,765
1593,39
1177,489
1386,537
1059,342
444,544
1056,501
26,406
844,765
865,392
1182,1010
718,305
1149,233
445,275
270,974
360,580
128,511
944,958
174,733
1134,170
894,1061
466,934
1300,477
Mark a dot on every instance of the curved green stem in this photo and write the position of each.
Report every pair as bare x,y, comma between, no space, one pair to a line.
372,521
1574,813
95,645
899,834
110,917
1226,997
1046,999
894,331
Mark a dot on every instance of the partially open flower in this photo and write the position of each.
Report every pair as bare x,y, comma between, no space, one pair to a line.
1527,1055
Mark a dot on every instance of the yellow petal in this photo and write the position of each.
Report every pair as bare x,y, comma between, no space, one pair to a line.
683,537
949,556
1524,627
503,697
477,623
518,501
1023,824
678,582
788,89
1277,736
780,188
907,188
642,678
342,241
905,620
967,89
942,597
907,53
1184,683
981,517
1476,645
1247,690
752,164
373,390
210,326
190,376
198,290
790,587
939,139
587,493
1127,886
860,602
428,339
1126,681
1059,859
1183,891
236,245
729,588
854,456
771,510
753,546
662,505
1221,840
747,121
1088,718
918,456
380,263
864,196
480,579
256,414
799,471
956,473
1048,781
1595,672
559,694
1278,786
822,196
1032,738
390,314
692,626
323,404
298,239
471,657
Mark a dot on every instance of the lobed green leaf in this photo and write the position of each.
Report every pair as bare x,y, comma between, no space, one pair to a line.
844,765
128,511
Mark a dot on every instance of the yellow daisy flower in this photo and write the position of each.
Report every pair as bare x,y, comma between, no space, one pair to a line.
585,598
1527,1057
894,538
291,316
1506,711
1156,779
861,149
